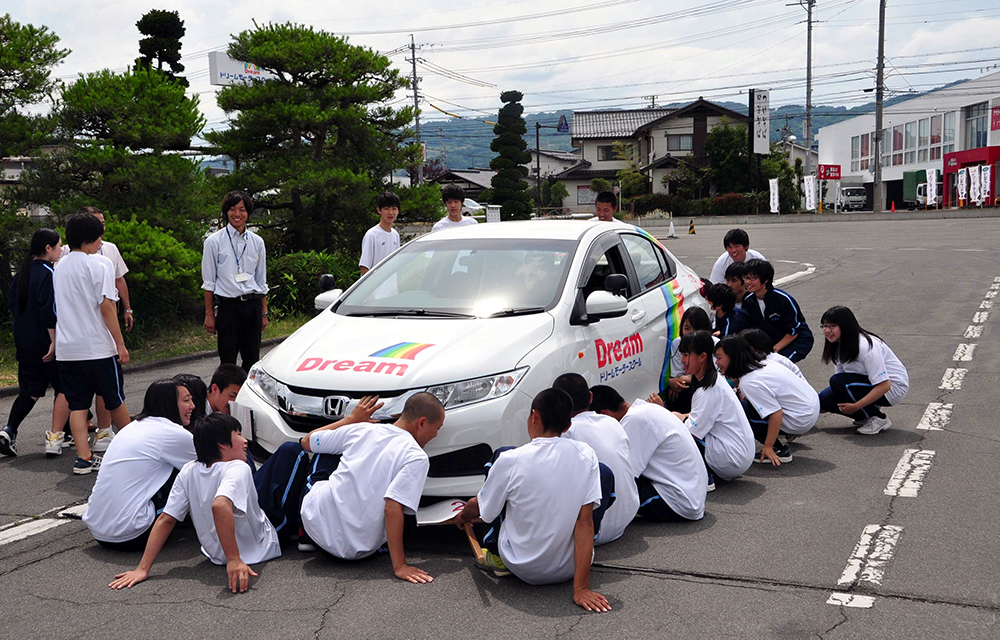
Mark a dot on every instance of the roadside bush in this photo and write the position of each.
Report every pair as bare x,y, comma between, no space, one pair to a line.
294,279
646,204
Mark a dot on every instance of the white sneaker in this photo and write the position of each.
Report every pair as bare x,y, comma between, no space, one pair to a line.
874,425
859,423
54,443
102,438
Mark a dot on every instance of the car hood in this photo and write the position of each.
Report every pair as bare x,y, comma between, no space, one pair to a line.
344,353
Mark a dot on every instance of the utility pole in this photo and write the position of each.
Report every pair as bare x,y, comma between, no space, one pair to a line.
809,84
879,89
416,109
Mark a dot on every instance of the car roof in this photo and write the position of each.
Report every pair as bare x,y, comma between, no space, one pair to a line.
526,229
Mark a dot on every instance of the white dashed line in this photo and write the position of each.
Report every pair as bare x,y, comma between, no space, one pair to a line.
936,416
964,353
974,331
990,294
997,279
872,553
981,317
909,475
27,529
995,286
810,268
986,304
952,379
851,600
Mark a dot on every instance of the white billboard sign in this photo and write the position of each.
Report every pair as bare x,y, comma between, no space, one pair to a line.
761,121
810,188
223,70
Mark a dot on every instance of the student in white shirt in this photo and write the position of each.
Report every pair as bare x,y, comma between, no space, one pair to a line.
541,496
139,468
382,239
605,435
227,380
365,479
737,245
234,274
762,344
776,399
89,344
679,389
453,197
218,492
868,374
605,207
671,474
717,420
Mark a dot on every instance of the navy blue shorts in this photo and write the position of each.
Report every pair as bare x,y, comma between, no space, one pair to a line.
34,377
81,380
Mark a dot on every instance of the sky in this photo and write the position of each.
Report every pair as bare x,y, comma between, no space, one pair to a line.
566,54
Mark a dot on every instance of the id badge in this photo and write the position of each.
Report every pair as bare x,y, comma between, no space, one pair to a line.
241,277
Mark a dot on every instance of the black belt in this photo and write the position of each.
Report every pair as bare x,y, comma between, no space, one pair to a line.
242,298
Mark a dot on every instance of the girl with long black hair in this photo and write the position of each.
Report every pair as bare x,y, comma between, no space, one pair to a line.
679,390
32,303
868,374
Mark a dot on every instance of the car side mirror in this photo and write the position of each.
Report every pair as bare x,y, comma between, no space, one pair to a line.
323,301
615,283
603,304
327,282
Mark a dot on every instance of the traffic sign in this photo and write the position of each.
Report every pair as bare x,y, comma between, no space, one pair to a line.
828,172
563,126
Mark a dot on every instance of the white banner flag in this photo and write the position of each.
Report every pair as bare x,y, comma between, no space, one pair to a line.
932,188
840,198
773,183
961,184
974,185
810,186
987,184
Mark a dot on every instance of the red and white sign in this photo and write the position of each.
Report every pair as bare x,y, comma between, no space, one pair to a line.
995,119
829,172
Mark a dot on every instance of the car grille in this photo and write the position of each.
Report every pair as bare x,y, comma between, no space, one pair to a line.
464,462
304,424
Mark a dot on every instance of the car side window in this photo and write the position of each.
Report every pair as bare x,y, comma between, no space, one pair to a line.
647,261
608,262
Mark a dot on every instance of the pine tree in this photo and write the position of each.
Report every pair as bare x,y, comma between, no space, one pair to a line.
163,31
510,190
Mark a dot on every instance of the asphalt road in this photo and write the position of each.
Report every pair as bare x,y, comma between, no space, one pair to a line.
763,562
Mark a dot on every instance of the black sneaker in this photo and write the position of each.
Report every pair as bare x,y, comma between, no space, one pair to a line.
8,442
82,467
781,450
68,440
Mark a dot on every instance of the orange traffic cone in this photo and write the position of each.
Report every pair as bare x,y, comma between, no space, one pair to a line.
894,206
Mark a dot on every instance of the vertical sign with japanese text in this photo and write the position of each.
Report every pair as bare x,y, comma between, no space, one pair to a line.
761,121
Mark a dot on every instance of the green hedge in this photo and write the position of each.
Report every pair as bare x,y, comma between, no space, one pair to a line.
293,279
729,204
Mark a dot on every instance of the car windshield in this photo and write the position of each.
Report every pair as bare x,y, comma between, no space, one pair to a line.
465,278
854,193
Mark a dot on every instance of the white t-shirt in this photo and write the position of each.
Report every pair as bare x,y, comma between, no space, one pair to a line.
879,363
607,438
110,251
717,418
664,452
676,365
345,515
719,270
138,462
544,484
194,490
82,282
785,362
448,223
377,245
774,387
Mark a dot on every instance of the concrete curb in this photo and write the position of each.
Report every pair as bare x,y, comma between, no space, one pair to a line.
153,364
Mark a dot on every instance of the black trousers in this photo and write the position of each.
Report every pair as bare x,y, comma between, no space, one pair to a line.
237,327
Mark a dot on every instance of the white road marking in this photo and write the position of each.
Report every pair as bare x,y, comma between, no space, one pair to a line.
995,286
981,316
952,379
30,528
986,304
74,512
851,600
974,331
810,268
909,475
859,249
964,353
911,249
990,294
997,279
936,416
872,553
970,250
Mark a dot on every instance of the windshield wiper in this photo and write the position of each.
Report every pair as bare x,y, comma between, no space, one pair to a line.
412,312
523,311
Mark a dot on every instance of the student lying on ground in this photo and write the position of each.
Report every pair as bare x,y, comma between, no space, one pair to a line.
717,420
776,312
363,481
868,374
608,440
139,468
679,389
542,497
728,319
761,343
672,477
776,400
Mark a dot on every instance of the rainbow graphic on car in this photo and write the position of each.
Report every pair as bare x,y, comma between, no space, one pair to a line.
402,351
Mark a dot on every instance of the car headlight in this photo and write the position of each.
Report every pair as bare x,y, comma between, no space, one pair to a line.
265,385
458,394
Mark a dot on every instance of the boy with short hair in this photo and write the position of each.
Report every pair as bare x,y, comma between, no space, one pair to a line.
365,478
382,239
671,474
728,319
605,207
775,312
547,490
89,344
453,197
737,245
226,383
734,280
608,439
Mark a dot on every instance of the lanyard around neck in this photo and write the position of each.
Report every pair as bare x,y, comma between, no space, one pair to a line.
233,246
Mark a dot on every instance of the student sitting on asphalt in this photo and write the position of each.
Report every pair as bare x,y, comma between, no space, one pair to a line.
776,312
541,498
734,280
363,481
868,374
728,318
776,400
607,438
139,468
672,478
737,245
227,380
761,343
679,390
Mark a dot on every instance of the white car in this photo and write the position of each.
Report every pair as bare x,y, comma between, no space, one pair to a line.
484,317
472,208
